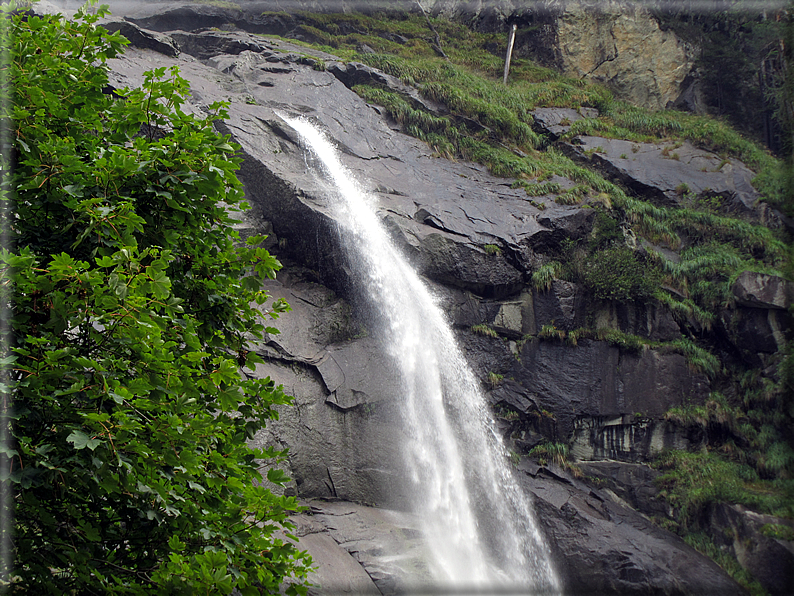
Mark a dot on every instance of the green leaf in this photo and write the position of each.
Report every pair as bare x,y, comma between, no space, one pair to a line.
79,439
277,476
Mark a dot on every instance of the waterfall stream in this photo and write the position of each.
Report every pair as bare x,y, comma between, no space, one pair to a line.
478,524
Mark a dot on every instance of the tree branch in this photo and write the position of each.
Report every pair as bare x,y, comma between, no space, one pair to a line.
437,45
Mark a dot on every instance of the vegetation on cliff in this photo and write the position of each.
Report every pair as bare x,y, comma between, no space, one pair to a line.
131,296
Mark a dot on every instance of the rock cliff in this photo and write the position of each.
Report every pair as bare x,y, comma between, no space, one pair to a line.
477,239
614,42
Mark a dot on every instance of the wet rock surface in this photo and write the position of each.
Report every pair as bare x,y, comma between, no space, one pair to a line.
672,174
440,212
631,484
363,550
599,546
603,548
595,379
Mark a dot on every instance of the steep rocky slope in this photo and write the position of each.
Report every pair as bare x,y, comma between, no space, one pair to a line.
560,365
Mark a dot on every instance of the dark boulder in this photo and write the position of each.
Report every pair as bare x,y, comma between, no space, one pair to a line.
647,320
141,38
754,332
633,484
555,122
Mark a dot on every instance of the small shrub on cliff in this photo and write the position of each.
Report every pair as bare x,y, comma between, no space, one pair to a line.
618,273
543,277
624,341
484,330
132,297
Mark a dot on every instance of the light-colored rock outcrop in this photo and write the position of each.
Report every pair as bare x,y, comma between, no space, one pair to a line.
615,42
621,44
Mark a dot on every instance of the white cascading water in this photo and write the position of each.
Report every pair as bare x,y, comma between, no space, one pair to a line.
478,523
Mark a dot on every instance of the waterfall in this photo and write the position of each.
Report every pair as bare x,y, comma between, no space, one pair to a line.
477,522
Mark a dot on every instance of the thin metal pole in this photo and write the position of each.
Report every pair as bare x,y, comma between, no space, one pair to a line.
510,42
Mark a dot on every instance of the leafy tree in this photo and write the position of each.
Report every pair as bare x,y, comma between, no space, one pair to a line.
133,303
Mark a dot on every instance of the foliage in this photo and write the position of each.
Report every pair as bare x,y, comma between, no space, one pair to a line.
495,379
469,84
714,413
543,276
132,300
624,341
484,330
558,453
690,482
778,531
699,359
549,331
735,49
460,87
619,273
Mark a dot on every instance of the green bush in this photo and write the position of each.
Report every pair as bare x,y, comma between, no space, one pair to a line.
132,301
556,452
618,273
778,531
606,232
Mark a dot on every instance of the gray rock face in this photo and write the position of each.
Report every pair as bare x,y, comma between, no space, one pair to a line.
645,320
344,427
632,484
441,212
557,121
595,380
756,332
354,548
670,174
770,560
144,39
628,438
353,545
617,43
759,290
761,323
